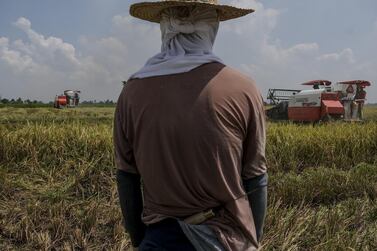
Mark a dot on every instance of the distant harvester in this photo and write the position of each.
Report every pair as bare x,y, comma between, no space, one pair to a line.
69,99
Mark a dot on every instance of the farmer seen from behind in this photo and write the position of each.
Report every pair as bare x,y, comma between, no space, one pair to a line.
189,139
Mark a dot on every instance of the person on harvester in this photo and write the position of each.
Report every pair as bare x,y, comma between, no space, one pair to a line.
189,137
360,100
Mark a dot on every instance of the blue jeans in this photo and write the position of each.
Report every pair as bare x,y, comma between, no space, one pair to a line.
165,236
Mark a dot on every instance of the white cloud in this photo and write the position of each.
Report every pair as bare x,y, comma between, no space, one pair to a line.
346,56
23,23
253,35
109,52
41,67
51,50
15,59
142,38
259,54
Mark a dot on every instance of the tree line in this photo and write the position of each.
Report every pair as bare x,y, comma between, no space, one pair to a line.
19,102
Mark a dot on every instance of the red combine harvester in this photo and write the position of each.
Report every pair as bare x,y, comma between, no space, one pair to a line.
324,102
68,99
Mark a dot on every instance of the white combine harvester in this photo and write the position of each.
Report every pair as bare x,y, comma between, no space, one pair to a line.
344,100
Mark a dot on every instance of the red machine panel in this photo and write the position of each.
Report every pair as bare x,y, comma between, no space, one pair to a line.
309,114
332,107
62,100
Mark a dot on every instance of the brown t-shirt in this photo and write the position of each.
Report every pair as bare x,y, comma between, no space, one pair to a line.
193,137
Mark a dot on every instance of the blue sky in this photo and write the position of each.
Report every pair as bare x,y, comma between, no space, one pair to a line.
47,46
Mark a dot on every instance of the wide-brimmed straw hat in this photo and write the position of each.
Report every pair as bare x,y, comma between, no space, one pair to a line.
151,11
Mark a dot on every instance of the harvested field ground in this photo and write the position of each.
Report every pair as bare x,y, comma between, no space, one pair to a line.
58,191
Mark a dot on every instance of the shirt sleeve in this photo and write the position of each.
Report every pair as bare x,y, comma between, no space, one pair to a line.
124,156
254,145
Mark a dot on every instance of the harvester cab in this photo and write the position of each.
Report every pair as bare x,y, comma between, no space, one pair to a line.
323,102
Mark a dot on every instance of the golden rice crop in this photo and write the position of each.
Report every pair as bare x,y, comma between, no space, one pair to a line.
57,185
340,145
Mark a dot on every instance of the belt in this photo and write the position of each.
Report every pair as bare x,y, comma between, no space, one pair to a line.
200,217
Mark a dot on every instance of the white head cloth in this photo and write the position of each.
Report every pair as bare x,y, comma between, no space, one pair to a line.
186,43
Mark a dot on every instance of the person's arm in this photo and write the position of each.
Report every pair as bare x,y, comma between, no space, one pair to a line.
128,178
254,167
256,188
131,203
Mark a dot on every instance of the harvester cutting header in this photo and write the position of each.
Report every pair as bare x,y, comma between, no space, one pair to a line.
344,100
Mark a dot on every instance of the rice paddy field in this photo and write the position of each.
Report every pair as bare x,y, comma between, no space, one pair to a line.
58,191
